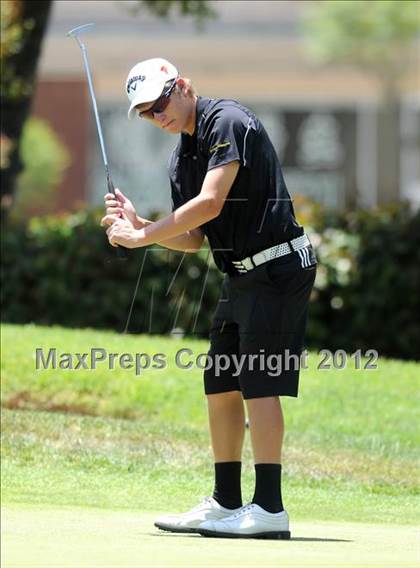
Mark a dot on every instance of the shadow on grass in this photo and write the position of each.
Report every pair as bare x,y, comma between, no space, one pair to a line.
296,538
313,539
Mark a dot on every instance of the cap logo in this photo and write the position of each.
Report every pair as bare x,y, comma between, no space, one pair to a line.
164,69
130,84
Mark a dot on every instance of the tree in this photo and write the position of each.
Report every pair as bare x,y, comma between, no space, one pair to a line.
23,26
198,9
377,37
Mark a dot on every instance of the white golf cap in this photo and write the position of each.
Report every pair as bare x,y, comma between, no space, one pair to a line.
146,81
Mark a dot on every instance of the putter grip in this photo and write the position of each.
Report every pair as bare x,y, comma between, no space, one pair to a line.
121,251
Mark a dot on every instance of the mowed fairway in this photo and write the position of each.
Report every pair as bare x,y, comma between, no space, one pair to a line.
68,537
90,458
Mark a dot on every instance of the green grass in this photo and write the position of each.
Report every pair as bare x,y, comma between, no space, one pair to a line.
68,537
85,538
130,442
64,459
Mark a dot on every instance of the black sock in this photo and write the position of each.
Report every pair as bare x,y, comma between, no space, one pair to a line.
227,485
268,487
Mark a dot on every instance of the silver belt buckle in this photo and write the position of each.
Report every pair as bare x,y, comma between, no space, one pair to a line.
248,264
244,265
238,264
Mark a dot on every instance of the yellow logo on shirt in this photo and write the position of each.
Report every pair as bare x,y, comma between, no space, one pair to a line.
217,146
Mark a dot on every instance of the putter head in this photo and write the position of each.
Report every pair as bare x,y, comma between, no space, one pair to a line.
80,30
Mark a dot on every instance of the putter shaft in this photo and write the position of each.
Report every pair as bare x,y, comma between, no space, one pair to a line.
121,251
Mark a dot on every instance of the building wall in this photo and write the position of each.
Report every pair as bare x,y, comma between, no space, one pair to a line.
64,105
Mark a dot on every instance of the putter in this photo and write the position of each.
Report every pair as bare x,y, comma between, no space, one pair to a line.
74,33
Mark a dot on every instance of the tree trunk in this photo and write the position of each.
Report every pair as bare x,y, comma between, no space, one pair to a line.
19,72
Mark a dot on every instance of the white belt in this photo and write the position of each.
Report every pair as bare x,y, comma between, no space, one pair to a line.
298,244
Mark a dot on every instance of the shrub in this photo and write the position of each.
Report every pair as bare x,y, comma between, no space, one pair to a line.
45,159
61,270
367,289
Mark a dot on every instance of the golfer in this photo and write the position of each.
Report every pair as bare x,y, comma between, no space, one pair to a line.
227,185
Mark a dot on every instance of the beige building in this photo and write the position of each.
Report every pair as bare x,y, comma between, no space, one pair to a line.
254,52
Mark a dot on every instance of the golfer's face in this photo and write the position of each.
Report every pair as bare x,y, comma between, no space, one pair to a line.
170,119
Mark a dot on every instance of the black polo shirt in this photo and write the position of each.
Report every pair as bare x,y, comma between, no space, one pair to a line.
258,212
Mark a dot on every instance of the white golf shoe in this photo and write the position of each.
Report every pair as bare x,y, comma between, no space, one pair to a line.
208,509
251,521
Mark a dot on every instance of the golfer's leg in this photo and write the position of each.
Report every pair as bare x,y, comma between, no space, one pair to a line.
227,428
227,425
277,321
267,430
266,424
225,406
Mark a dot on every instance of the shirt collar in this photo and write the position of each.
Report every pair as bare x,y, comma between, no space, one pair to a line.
202,103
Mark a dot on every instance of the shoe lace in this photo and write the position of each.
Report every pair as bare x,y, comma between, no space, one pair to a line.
244,509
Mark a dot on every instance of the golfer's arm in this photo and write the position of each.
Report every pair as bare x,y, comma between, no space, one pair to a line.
196,212
190,241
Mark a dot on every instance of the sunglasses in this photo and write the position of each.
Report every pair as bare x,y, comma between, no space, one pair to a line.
160,104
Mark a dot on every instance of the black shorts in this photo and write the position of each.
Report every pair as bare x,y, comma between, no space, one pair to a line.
259,327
